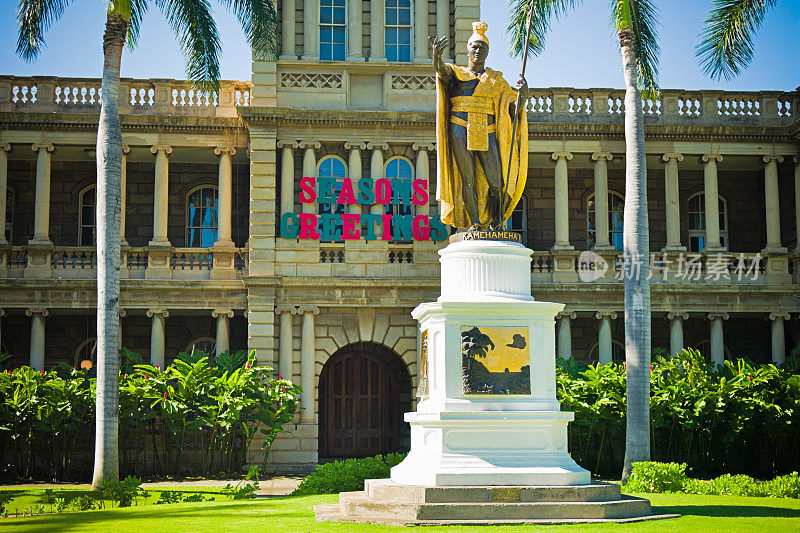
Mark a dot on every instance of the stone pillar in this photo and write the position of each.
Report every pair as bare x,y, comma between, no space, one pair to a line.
287,175
37,315
443,26
562,200
157,334
712,243
41,226
778,337
124,193
377,30
377,170
565,319
605,349
223,341
161,194
307,363
676,331
310,30
601,160
421,31
796,160
310,167
354,31
285,350
423,172
354,170
773,212
717,348
224,195
288,51
4,147
673,209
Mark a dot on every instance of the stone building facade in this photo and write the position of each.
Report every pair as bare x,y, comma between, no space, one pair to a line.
208,177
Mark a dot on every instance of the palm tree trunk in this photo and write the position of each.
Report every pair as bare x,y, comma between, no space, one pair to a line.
636,250
109,179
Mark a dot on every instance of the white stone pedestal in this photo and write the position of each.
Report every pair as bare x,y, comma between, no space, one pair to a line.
463,438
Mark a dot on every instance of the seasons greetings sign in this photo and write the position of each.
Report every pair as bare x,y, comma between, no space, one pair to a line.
333,193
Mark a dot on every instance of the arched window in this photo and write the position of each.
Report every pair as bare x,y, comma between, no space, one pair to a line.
86,351
617,352
616,208
332,166
518,221
206,345
697,222
201,216
398,31
9,229
86,227
399,167
332,30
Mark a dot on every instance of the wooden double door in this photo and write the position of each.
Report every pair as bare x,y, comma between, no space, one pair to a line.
359,407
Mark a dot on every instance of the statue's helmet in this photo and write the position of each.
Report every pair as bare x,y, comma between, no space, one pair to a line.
479,33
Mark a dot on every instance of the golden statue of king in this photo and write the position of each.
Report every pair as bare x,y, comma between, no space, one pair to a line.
475,113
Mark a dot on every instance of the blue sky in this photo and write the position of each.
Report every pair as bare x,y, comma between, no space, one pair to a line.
581,50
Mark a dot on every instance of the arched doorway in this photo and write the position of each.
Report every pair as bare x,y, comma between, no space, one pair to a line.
364,389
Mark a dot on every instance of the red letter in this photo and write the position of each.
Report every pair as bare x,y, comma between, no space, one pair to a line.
420,192
351,226
307,186
421,230
346,196
383,191
308,226
387,226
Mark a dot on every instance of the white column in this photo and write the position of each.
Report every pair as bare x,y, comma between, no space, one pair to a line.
377,31
717,337
310,167
157,336
224,195
377,172
287,175
778,337
4,147
676,331
354,170
307,363
288,51
796,160
565,319
286,334
443,26
310,30
41,226
772,204
421,31
601,160
712,242
37,315
123,192
423,172
562,200
161,194
354,31
605,353
223,341
673,210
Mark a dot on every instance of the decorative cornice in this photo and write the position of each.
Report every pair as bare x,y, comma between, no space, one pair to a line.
602,155
42,146
166,148
222,312
681,315
230,150
606,314
671,155
129,123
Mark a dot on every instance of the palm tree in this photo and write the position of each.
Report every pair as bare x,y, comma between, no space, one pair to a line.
194,27
635,22
726,45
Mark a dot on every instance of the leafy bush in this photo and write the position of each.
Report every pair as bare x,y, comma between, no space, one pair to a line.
245,489
123,492
650,476
347,475
84,503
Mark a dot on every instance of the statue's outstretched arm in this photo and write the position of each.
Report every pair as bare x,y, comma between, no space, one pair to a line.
439,45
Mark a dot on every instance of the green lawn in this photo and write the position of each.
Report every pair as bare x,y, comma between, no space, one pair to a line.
295,515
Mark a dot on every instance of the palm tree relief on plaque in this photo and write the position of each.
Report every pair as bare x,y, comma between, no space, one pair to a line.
422,389
495,360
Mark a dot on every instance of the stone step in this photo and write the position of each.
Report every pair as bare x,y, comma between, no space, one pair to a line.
384,489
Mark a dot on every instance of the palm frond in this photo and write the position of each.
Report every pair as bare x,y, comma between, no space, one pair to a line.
34,18
641,16
259,21
194,27
726,43
138,10
544,12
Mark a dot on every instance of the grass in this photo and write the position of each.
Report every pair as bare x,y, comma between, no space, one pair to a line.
295,514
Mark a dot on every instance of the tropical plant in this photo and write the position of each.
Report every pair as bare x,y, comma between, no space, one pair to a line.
193,24
635,22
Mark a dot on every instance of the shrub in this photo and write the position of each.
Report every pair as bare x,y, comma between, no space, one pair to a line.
123,492
347,475
787,486
84,503
169,496
650,476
